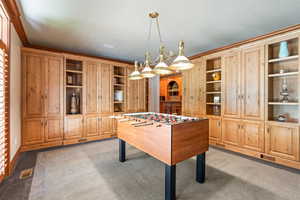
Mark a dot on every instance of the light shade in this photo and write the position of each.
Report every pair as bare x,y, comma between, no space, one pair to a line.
181,62
147,72
135,75
162,68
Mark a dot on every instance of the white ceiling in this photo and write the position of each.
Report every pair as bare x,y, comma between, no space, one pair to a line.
118,28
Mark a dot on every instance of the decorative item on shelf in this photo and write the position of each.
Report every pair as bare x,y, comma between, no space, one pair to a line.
70,79
283,49
166,62
217,87
216,76
216,110
75,102
282,71
216,99
284,91
282,118
119,95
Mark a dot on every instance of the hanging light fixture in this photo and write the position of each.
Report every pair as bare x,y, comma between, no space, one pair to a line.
147,72
181,62
135,75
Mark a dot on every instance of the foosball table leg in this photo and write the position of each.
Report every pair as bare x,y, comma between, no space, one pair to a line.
200,168
170,182
122,150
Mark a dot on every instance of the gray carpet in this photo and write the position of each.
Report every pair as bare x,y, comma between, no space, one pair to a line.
92,172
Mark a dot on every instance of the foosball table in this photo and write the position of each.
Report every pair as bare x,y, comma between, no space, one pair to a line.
168,138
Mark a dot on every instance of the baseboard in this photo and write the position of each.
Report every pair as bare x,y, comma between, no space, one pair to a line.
14,161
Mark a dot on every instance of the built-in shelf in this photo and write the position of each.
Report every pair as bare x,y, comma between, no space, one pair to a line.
283,59
119,76
282,103
290,121
283,74
217,92
118,102
208,82
74,86
214,70
119,85
74,71
216,104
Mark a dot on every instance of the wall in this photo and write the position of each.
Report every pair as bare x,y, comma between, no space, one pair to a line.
15,93
153,94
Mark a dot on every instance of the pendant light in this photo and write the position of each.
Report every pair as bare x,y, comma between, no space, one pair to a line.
162,68
147,72
181,62
135,75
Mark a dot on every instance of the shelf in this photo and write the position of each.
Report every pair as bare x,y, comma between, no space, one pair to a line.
119,76
213,92
214,70
285,104
74,71
283,74
283,59
208,82
119,85
74,86
119,102
291,122
215,104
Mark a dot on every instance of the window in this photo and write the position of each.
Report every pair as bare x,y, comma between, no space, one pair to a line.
4,92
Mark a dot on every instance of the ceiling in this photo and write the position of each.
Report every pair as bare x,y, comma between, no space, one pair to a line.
118,28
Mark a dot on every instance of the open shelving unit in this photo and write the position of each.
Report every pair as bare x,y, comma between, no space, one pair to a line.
278,71
119,88
213,86
73,84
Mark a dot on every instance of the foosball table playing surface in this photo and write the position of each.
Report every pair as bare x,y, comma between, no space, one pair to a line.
168,138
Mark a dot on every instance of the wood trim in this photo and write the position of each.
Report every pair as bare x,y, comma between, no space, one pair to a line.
15,17
254,39
14,161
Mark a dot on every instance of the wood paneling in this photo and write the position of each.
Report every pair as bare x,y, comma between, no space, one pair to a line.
33,131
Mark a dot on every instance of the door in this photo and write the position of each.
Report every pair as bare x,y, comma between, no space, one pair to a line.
231,131
282,141
93,81
106,125
215,129
199,88
92,126
106,89
53,129
132,97
142,95
252,135
33,85
73,127
253,83
54,86
33,131
186,99
232,85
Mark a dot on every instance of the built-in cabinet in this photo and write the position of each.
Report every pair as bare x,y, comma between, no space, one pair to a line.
51,81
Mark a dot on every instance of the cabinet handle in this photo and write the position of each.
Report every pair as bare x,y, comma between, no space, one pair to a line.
219,124
239,126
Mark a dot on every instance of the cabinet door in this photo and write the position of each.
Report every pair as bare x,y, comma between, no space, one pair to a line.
33,85
132,97
142,95
199,89
33,131
186,99
106,89
73,127
106,125
282,141
215,129
54,86
92,126
232,85
53,129
253,83
92,84
252,135
231,131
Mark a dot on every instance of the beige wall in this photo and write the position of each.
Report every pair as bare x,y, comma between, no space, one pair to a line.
15,93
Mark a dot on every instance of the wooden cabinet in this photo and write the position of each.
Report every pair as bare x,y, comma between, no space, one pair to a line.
33,131
215,129
142,95
53,129
252,135
105,90
33,71
93,83
232,87
282,140
92,126
231,131
73,127
106,125
252,93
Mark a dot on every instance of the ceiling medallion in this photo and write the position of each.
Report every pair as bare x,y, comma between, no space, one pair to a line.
165,62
